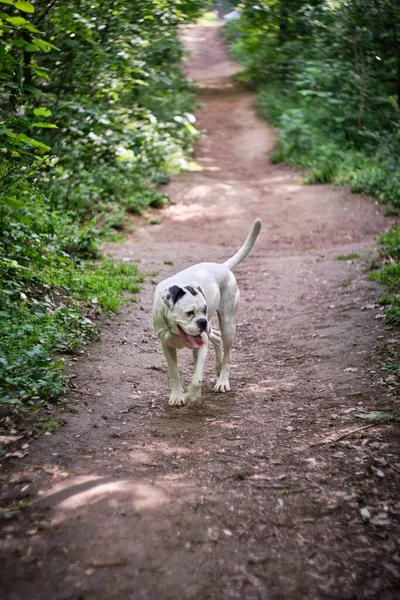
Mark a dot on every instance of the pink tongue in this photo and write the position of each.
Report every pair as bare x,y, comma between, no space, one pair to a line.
193,341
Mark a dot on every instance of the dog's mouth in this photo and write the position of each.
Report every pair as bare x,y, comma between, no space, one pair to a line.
194,341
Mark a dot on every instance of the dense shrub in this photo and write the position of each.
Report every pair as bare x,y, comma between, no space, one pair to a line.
388,273
94,116
328,76
329,79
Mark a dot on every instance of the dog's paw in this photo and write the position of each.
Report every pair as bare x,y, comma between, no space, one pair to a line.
222,385
193,395
176,399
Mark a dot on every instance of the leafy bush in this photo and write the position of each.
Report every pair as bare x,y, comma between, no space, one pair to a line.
327,76
388,273
50,286
304,144
95,114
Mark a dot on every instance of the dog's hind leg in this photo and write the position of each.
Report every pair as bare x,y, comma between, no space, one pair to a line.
194,391
176,398
216,341
228,331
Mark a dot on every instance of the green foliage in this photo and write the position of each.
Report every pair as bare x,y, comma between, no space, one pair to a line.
95,114
52,316
393,367
49,425
94,102
304,143
50,287
388,273
329,78
351,256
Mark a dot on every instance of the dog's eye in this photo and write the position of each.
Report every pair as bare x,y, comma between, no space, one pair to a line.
190,313
204,309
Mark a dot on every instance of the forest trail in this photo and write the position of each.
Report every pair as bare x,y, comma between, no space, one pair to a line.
261,493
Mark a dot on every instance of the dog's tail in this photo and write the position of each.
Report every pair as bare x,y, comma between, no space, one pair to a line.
241,254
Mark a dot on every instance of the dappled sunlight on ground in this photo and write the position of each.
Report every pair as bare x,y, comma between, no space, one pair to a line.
215,87
183,213
272,385
84,491
155,451
217,66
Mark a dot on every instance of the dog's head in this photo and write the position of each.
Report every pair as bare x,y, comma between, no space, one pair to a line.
187,312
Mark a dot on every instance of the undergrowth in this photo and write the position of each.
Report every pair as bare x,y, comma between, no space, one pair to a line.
53,285
95,116
325,155
388,273
327,78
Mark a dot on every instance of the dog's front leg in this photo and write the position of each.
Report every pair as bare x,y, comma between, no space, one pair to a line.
176,398
194,392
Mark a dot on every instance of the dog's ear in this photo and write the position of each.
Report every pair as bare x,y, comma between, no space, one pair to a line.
171,295
197,288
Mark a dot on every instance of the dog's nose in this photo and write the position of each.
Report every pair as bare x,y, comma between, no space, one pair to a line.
202,324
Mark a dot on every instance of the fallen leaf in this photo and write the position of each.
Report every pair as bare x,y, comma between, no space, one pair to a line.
365,514
16,454
392,569
9,439
381,519
212,534
375,414
369,306
378,472
227,532
99,564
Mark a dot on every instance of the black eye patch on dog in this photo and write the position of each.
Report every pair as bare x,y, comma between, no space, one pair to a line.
191,290
176,293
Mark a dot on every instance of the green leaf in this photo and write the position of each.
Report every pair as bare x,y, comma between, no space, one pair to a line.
40,72
32,48
7,2
17,21
375,414
21,138
12,202
40,145
21,22
25,6
42,111
19,43
31,27
45,125
43,45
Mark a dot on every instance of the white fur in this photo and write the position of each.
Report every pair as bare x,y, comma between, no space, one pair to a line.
215,291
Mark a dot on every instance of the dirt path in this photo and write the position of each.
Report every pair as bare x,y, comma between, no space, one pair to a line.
251,495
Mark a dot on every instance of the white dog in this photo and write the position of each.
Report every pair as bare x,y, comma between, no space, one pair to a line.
183,308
